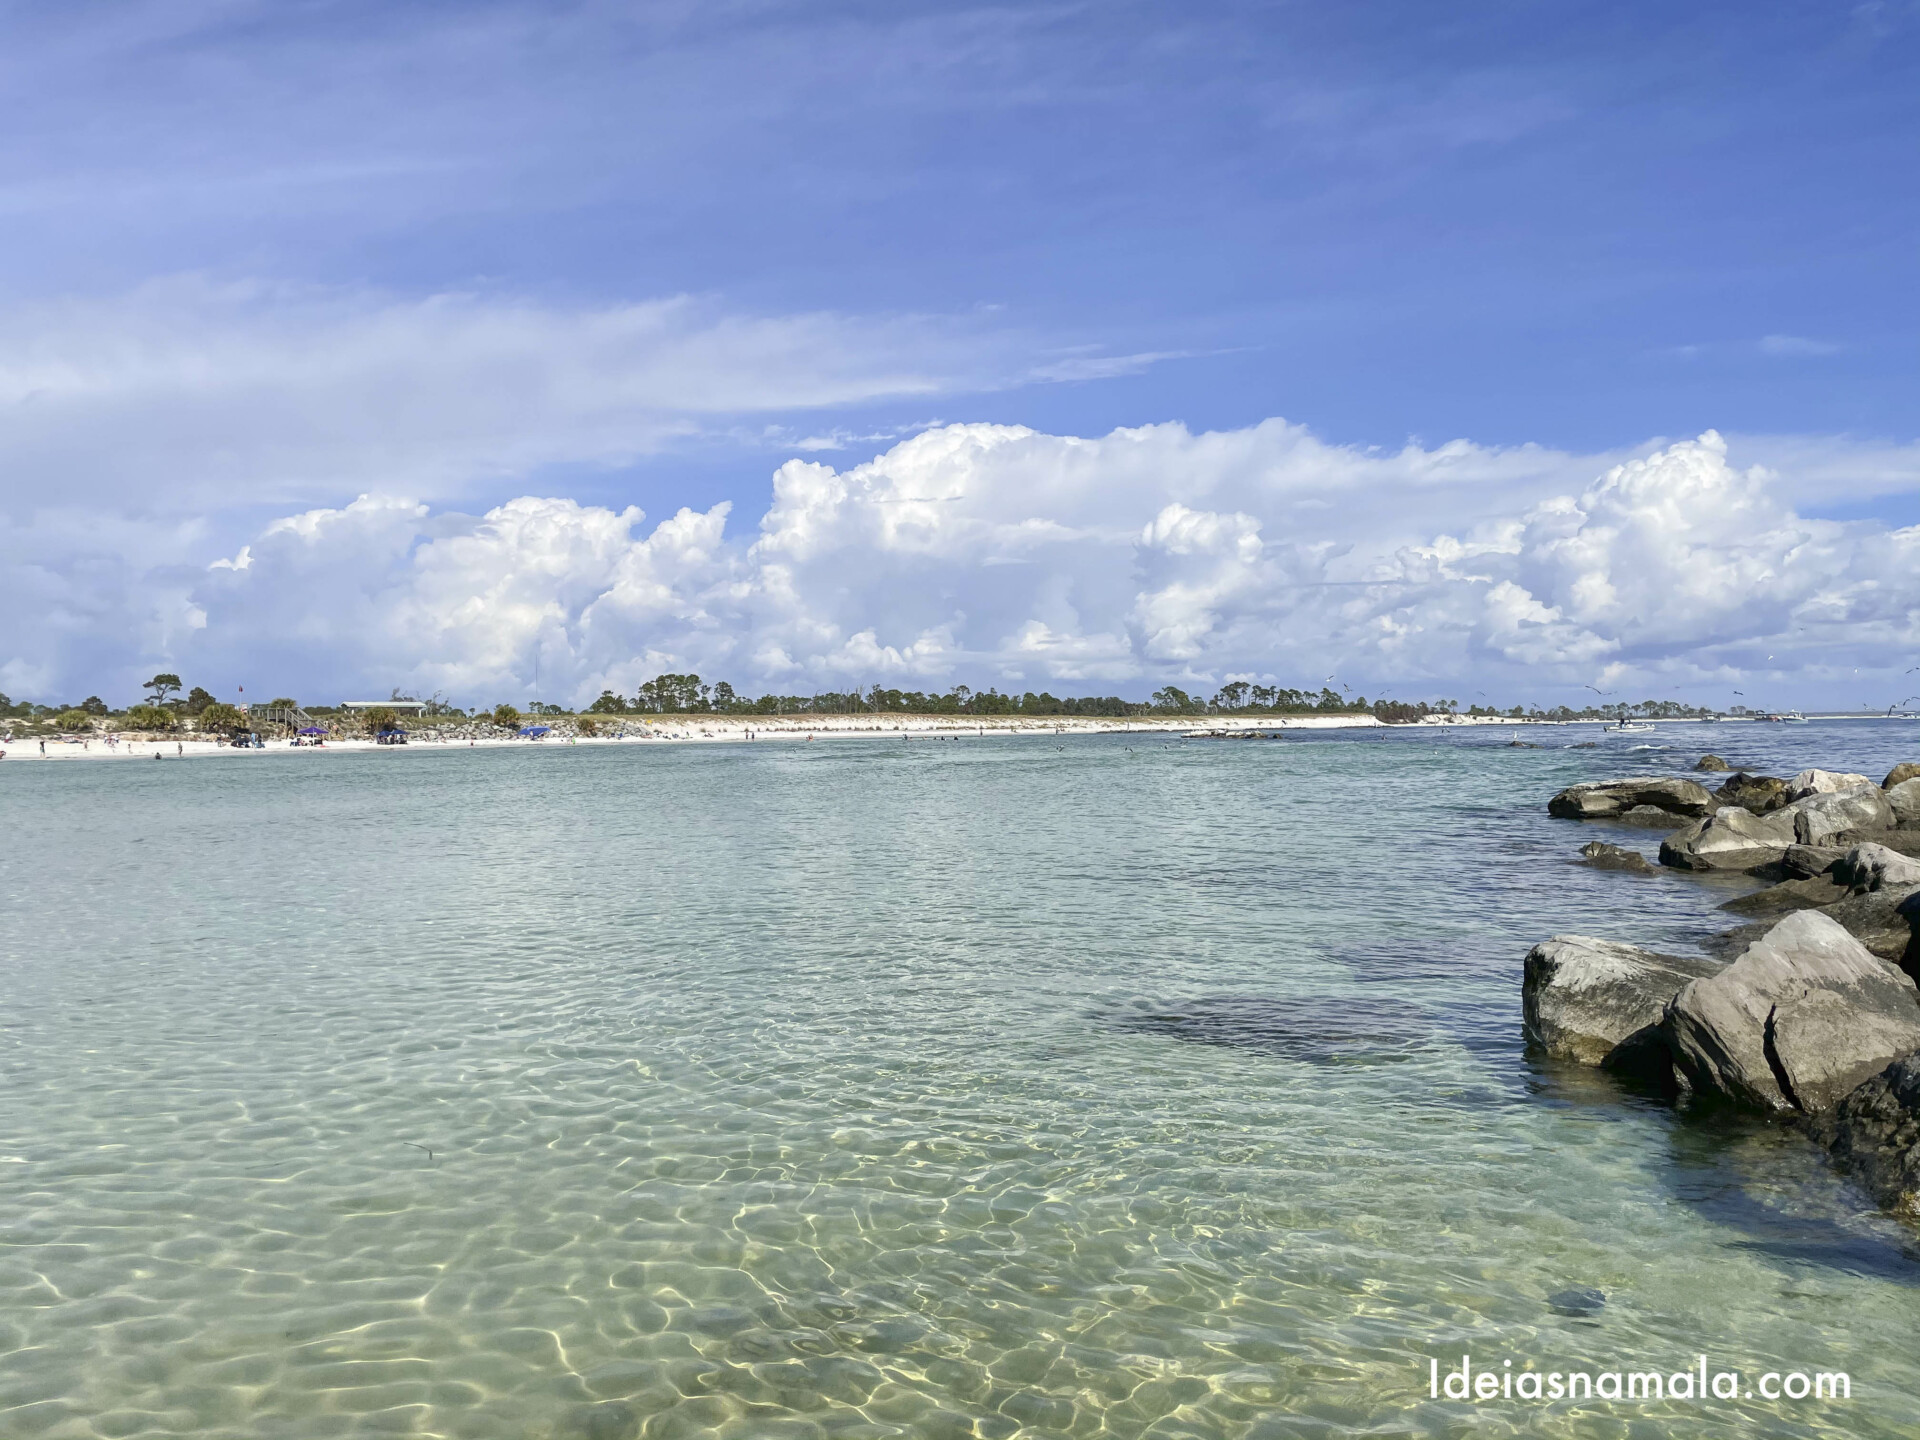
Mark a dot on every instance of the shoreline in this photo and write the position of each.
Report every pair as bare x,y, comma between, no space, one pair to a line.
742,729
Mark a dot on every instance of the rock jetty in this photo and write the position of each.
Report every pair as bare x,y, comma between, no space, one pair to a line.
1810,1013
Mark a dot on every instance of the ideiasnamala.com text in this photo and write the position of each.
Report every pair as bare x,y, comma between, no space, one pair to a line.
1481,1384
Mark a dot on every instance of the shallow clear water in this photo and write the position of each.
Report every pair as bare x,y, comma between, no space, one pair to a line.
1113,1086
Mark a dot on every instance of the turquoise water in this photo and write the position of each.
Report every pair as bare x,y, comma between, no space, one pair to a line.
1109,1086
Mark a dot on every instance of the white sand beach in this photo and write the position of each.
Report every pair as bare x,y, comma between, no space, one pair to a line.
721,730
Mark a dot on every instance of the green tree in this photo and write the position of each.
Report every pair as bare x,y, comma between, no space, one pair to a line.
1232,696
75,719
161,688
506,717
149,717
1172,697
380,720
196,701
587,725
608,704
219,716
93,704
283,702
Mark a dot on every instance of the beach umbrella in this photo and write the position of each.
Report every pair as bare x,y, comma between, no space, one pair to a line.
313,730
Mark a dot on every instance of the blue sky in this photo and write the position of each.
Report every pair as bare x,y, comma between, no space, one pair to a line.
235,232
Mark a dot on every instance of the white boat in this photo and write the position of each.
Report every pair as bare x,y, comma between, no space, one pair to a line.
1628,727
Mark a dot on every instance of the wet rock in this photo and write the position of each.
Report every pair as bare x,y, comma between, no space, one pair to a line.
1906,770
1873,1134
1881,920
1732,838
1588,1000
1610,799
1803,862
1602,856
1762,794
1712,762
1652,817
1823,782
1789,895
1875,867
1315,1029
1904,800
1832,817
1582,1300
1585,745
1802,1017
1522,745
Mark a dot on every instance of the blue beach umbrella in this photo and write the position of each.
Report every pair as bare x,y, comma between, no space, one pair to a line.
313,730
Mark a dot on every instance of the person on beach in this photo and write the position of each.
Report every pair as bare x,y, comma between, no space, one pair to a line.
43,747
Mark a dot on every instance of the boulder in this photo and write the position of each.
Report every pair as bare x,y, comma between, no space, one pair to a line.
1881,920
1602,856
1823,782
1651,817
1803,862
1586,999
1875,867
1789,895
1712,762
1802,1017
1609,799
1906,770
1732,838
1904,800
1874,1135
1828,817
1761,794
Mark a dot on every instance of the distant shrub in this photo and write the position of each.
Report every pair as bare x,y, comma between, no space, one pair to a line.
150,717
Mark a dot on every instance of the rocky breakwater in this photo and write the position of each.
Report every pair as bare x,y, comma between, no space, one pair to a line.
1816,1019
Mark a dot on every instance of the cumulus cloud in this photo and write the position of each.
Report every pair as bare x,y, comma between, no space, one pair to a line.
997,554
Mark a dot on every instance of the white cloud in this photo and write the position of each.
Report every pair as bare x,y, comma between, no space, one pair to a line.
998,554
1796,345
288,394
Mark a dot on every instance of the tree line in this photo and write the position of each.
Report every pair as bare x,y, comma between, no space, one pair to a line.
689,695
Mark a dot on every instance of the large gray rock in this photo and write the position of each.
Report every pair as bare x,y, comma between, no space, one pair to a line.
1789,895
1906,770
1904,800
1732,838
1823,782
1806,1014
1830,818
1802,862
1584,999
1712,762
1605,799
1874,1134
1881,920
1875,867
1761,794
